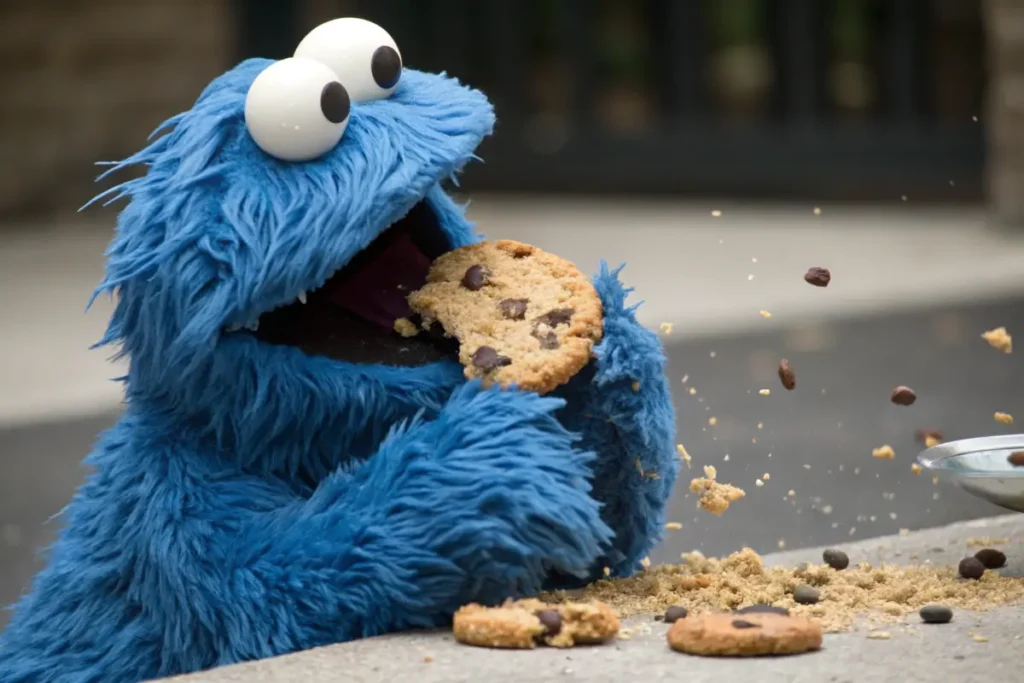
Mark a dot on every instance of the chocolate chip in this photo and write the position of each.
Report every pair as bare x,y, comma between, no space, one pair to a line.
903,396
763,609
786,375
806,595
556,317
819,277
971,568
488,359
1016,458
513,309
991,558
743,623
836,559
475,278
551,619
936,614
548,340
674,613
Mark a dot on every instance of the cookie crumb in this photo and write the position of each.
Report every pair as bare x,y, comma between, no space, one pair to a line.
714,497
645,563
666,328
681,450
716,213
765,392
999,339
817,211
758,482
904,532
712,421
978,638
766,476
915,468
693,391
406,328
879,635
635,386
765,314
883,452
1005,418
673,526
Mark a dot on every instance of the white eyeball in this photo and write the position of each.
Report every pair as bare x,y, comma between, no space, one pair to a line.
296,110
362,54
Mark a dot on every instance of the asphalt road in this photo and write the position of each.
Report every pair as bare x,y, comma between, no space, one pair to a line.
815,440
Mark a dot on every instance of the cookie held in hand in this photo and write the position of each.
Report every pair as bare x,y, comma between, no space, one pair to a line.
521,315
524,624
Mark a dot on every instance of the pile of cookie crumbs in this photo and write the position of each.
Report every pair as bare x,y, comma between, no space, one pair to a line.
858,596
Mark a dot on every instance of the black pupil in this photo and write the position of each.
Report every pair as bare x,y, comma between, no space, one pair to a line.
334,102
386,66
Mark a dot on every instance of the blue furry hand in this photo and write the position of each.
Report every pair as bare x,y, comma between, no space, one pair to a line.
622,407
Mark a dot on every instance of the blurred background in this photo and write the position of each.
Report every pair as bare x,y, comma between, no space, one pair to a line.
719,147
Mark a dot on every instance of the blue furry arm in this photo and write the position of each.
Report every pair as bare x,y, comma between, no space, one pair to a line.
173,561
622,406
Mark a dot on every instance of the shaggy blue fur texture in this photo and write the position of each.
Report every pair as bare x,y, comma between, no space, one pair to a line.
253,500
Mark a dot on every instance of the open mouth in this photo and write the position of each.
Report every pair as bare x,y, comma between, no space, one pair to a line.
351,317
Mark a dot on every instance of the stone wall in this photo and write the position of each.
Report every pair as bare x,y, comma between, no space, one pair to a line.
88,80
1005,116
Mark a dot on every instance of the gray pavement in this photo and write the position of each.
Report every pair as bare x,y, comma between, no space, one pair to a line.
914,653
816,440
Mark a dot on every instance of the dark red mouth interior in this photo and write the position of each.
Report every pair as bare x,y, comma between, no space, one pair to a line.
352,316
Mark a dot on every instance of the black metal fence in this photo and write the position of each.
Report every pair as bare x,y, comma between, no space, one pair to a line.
840,99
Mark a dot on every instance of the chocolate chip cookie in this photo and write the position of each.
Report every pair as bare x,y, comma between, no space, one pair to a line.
524,624
750,634
522,316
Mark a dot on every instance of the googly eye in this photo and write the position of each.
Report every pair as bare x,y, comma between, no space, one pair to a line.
296,110
362,54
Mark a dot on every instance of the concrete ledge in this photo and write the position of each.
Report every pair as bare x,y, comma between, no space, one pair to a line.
914,653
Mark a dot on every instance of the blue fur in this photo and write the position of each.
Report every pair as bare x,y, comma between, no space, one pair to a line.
253,500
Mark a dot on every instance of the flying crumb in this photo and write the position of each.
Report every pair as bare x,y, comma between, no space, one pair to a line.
714,497
635,386
693,391
760,425
712,421
645,563
765,314
978,638
915,468
879,635
765,392
817,211
681,450
1005,418
607,571
716,213
673,526
766,476
758,482
666,328
931,441
686,378
782,544
406,328
904,532
999,339
883,453
791,493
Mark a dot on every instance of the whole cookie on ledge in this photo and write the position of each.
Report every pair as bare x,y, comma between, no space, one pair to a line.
521,315
523,624
752,634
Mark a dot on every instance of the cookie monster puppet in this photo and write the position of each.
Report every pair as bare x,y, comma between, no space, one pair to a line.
288,472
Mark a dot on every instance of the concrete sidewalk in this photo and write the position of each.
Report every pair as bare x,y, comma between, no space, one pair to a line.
915,652
709,275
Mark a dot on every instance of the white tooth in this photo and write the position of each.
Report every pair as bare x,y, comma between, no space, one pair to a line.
302,297
233,328
253,326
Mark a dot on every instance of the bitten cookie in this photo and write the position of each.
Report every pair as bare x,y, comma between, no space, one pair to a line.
744,635
521,315
524,624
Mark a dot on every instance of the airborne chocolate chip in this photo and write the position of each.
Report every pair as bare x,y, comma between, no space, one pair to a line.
556,317
475,278
488,359
513,309
548,341
743,623
551,620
